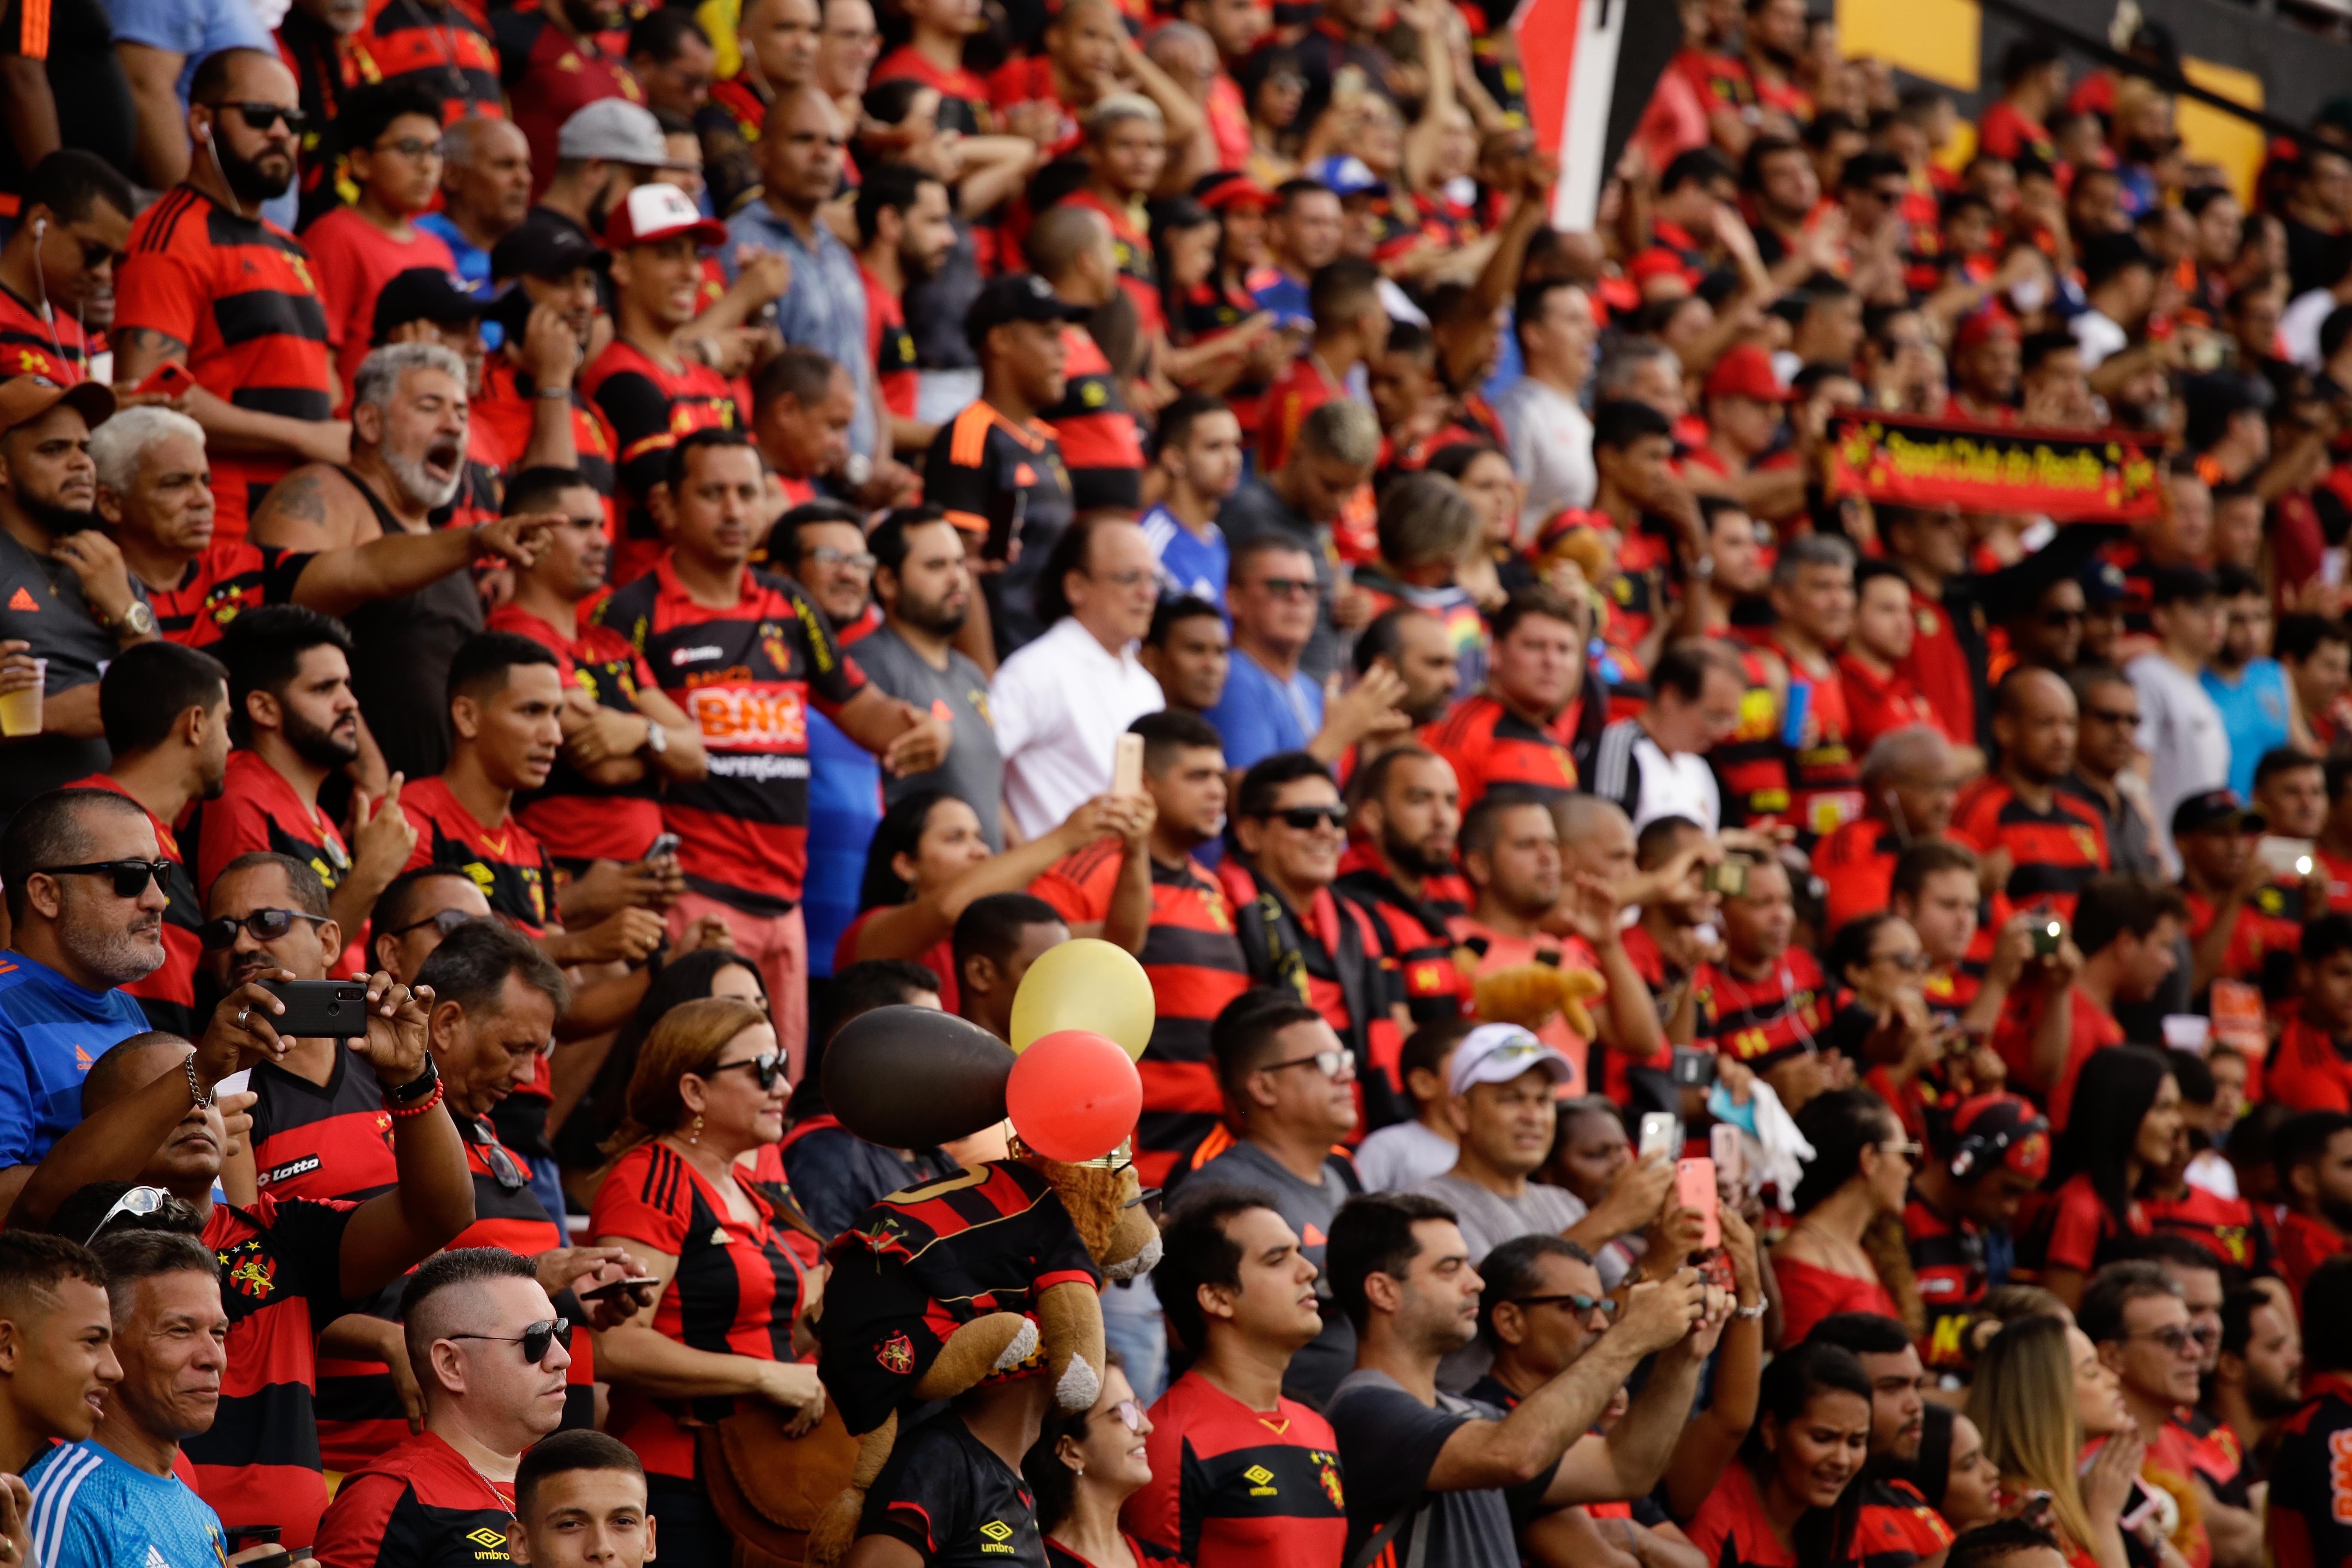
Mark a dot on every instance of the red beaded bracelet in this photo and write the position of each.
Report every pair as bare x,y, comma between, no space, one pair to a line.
419,1108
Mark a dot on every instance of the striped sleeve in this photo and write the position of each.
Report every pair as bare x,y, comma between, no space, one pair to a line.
1616,777
66,1535
357,1532
648,1197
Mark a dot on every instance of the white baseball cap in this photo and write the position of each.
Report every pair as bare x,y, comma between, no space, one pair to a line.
1497,1053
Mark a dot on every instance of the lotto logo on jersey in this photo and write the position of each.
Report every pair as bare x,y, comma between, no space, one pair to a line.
751,718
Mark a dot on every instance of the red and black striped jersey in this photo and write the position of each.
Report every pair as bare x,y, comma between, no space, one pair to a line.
2053,853
1857,866
1894,1528
550,74
419,1504
2309,1522
1194,961
1763,1021
748,675
321,1141
739,1286
646,408
1212,308
1947,1256
499,421
890,346
437,45
921,1263
1490,745
1237,1487
257,809
280,1278
506,861
229,578
34,345
2223,1226
1752,761
240,293
1100,445
1415,933
1137,272
1824,772
576,819
964,97
168,996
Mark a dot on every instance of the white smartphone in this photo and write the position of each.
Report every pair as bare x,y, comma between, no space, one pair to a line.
1730,1155
1662,1133
1127,766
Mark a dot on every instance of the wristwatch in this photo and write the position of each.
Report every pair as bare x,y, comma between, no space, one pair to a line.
415,1088
1703,568
138,618
657,738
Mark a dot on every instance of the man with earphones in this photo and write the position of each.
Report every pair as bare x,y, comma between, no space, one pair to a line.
213,287
57,271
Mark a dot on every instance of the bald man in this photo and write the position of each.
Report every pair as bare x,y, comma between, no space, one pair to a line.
2039,844
1908,782
1071,248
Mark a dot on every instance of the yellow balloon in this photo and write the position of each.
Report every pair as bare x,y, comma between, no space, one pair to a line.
1085,983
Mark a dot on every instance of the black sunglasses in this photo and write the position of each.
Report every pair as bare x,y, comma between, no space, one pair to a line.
130,877
444,922
262,116
1576,1301
1306,818
533,1340
765,1067
262,925
503,1168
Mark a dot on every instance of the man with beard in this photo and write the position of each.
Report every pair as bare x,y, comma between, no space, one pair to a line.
1894,1520
600,809
924,588
484,193
268,395
166,712
76,936
904,231
295,722
1198,456
1189,652
2258,1378
1399,869
67,605
408,458
51,292
553,62
1413,645
2040,843
604,151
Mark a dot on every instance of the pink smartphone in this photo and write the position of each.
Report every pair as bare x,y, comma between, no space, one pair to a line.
1694,1190
1730,1154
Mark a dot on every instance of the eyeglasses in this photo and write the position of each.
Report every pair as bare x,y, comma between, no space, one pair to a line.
1132,577
1336,1065
1576,1301
1129,1412
504,1169
262,925
1906,1150
442,921
130,877
410,147
1909,962
765,1067
262,116
138,1201
1285,587
1307,818
827,555
534,1340
2175,1339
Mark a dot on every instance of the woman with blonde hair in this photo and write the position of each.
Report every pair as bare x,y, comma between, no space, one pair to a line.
2039,1391
708,1091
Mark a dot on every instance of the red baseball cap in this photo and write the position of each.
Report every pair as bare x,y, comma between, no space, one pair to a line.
1746,371
1984,325
1231,188
657,212
1658,262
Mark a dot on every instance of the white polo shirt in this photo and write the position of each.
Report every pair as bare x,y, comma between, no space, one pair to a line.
1060,705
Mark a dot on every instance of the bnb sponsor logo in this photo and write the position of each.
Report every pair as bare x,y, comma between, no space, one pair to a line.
749,717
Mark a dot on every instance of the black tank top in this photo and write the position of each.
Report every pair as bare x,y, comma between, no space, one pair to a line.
400,667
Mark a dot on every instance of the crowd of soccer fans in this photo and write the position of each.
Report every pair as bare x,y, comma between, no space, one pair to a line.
1700,1021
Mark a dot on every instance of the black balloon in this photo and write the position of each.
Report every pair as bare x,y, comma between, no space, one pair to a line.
910,1077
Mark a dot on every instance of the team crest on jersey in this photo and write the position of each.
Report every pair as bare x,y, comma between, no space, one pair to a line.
1326,1470
256,1277
897,1354
2086,844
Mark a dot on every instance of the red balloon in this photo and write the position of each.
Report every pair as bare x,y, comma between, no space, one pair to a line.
1073,1095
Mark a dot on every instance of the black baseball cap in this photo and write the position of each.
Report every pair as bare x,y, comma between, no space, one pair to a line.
553,250
2216,808
1020,297
2173,585
2102,582
1989,1132
422,294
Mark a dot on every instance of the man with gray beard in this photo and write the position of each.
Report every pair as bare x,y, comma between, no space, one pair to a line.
85,895
408,458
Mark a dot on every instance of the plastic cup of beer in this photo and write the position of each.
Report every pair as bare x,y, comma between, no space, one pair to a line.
20,710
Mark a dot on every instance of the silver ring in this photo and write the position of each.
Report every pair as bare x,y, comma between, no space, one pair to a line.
242,1015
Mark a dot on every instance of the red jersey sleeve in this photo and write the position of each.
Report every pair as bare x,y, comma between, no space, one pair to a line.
335,263
160,291
353,1532
2074,1228
1079,884
646,1200
228,827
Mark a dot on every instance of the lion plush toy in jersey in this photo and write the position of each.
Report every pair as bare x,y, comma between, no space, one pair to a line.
992,1274
1530,994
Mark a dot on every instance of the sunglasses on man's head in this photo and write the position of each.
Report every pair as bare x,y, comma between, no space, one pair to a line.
442,921
130,877
765,1067
262,925
534,1340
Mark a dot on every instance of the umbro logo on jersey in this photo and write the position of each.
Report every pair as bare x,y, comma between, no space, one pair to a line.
681,657
996,1539
1261,1481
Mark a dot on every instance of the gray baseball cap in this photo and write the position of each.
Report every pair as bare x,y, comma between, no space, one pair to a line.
615,130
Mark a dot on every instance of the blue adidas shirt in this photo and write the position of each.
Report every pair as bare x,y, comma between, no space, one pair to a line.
50,1031
1260,714
91,1509
1188,562
2255,711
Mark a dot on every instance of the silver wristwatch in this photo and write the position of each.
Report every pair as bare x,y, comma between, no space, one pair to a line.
657,738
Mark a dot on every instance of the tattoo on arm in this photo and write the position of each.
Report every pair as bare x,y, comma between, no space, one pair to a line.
146,341
296,514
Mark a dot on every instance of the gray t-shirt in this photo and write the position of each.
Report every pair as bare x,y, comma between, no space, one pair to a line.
974,770
1489,1219
1308,1209
41,603
1389,1442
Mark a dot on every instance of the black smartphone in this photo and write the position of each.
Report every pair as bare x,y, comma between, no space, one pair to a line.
607,1292
277,1557
241,1536
319,1009
1727,878
1693,1068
